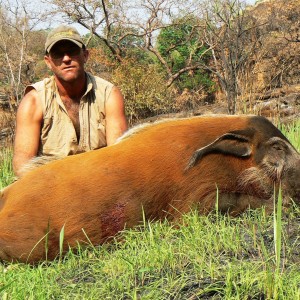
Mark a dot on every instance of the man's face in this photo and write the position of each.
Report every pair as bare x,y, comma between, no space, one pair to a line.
66,60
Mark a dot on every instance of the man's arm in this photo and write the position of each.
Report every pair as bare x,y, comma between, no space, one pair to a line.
28,126
116,123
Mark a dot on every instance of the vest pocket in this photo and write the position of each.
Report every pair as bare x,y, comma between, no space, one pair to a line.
56,137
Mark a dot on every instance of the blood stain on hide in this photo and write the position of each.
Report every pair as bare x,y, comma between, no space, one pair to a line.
113,220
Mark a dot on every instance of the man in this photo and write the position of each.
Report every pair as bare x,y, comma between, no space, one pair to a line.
71,112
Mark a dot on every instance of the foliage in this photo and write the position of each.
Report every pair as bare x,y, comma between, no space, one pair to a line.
143,87
126,41
181,46
197,46
19,48
99,63
142,84
292,132
277,57
100,60
231,34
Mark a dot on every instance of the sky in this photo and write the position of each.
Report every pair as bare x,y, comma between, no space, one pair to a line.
40,6
83,30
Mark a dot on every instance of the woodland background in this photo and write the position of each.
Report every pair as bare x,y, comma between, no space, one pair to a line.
168,57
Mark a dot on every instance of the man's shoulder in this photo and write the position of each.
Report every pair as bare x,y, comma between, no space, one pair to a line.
38,86
99,81
46,82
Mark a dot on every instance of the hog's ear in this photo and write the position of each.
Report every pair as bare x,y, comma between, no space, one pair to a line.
232,143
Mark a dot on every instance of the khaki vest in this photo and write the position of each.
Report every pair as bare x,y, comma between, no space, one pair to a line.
58,136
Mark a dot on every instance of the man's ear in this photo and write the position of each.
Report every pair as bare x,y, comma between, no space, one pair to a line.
47,61
86,55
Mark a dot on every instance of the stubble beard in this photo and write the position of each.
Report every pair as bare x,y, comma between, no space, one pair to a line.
70,77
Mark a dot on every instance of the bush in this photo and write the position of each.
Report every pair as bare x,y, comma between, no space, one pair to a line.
144,89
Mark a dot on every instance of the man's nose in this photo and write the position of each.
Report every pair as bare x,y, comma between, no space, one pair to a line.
66,56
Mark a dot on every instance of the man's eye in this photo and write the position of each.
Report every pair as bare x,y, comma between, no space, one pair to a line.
70,52
74,51
57,54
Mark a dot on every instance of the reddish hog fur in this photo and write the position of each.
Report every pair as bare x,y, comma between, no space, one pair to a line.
160,170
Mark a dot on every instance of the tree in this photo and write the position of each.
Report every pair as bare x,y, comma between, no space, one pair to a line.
16,37
183,54
123,26
231,34
104,20
222,40
290,22
277,58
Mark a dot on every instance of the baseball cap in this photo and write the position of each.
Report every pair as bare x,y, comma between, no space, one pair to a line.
63,32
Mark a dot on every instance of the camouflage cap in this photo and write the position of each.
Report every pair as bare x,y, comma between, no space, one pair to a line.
63,32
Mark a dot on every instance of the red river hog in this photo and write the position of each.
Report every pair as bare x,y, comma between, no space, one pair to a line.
160,171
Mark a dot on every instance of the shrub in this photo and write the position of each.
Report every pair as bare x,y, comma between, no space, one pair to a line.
144,89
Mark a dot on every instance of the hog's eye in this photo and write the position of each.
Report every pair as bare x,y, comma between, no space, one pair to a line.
278,147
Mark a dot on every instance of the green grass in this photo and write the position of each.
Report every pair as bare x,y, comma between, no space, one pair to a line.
205,256
254,256
6,170
292,132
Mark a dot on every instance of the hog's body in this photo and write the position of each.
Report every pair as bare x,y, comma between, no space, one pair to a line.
161,170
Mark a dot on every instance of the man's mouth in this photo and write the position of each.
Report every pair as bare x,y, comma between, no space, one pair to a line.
69,68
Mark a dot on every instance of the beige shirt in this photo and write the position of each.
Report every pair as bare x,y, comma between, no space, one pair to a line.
58,135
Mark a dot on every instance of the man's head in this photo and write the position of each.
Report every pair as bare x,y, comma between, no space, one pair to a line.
66,53
63,32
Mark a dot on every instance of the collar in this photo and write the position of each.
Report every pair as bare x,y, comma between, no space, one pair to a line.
89,86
